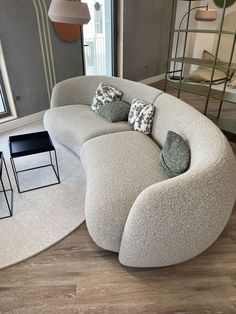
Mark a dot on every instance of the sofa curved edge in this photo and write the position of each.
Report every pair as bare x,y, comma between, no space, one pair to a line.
48,122
176,220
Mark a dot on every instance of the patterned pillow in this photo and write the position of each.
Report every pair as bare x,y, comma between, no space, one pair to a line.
144,121
104,95
136,107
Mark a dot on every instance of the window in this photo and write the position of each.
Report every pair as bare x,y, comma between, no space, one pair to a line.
7,106
99,38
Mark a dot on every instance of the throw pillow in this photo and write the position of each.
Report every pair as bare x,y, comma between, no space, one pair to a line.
143,122
136,107
207,56
105,94
233,84
115,111
175,155
204,75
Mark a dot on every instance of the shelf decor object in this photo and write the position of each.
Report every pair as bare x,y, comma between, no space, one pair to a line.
173,81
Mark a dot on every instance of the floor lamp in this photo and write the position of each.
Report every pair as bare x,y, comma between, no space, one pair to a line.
203,14
70,12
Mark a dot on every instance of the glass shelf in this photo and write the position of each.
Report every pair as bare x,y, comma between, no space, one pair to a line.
203,90
205,31
228,126
219,64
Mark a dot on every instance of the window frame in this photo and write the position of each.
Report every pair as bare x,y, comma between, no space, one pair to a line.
3,96
114,36
7,91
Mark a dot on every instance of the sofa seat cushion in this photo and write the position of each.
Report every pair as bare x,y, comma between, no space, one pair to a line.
118,168
73,125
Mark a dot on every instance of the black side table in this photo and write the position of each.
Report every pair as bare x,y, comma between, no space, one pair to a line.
9,200
30,144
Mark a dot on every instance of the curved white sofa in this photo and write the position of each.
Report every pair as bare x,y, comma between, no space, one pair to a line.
132,207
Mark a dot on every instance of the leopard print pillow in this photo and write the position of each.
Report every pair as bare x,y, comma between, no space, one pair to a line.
144,121
135,109
105,94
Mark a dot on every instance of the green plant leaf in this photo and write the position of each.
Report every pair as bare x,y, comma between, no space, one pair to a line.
220,3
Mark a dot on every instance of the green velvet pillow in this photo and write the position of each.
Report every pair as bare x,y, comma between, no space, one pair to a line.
115,111
175,155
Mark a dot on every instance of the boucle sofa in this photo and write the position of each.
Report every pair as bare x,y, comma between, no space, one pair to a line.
131,206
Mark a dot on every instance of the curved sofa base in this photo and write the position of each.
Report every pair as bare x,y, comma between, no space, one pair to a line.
150,220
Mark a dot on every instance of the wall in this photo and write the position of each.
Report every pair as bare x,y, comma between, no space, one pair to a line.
208,41
31,69
145,37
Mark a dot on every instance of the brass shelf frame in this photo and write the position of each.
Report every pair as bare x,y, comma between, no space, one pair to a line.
227,125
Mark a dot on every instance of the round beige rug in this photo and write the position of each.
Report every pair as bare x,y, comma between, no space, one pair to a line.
45,216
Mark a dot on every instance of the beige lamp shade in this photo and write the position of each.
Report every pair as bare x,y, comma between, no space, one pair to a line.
69,11
207,15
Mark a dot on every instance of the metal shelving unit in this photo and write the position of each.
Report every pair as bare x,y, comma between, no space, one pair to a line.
227,125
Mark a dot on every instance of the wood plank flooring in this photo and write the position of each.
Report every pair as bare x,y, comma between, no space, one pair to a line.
75,276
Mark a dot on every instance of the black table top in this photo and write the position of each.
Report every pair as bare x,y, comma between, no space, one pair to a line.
29,144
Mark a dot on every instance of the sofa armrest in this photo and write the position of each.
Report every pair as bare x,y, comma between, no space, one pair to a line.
72,92
177,219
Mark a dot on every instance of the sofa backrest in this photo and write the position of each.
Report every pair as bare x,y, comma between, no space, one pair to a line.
207,143
83,89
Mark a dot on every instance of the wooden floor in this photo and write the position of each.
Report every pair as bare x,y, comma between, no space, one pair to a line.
75,276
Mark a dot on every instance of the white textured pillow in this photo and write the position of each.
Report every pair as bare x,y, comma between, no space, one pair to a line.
135,109
144,121
105,94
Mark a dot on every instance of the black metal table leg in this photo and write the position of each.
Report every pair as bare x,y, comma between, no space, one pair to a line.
4,190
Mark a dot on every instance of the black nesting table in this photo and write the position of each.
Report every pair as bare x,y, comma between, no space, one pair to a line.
30,144
4,190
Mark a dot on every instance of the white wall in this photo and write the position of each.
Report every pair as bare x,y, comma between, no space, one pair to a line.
199,42
208,41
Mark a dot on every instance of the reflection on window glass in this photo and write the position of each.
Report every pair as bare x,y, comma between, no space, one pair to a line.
90,53
98,38
98,23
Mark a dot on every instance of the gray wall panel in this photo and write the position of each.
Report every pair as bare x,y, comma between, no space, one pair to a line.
146,33
67,56
21,44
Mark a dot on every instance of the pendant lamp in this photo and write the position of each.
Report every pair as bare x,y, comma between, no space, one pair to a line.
207,15
69,11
